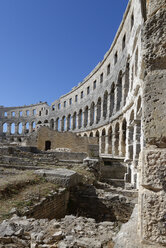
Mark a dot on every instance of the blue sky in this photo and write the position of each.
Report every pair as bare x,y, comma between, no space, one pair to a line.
49,46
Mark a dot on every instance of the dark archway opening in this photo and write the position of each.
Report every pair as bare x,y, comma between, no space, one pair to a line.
47,145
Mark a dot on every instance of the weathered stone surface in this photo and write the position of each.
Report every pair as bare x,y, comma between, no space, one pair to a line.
62,177
154,169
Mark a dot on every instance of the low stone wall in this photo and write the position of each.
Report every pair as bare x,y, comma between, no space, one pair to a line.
64,140
53,206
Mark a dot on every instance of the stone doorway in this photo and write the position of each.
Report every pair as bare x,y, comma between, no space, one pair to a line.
47,145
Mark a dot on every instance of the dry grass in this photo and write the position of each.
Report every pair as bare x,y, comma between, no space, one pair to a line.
22,191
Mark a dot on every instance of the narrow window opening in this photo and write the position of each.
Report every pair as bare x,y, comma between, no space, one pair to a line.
108,69
94,85
115,57
101,77
47,145
124,42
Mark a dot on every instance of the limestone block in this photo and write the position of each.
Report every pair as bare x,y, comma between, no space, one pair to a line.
153,217
154,169
154,115
63,177
153,6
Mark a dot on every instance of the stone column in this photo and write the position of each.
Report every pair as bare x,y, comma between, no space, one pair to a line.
8,128
106,142
123,91
120,140
88,117
95,117
16,128
23,128
108,105
100,143
113,143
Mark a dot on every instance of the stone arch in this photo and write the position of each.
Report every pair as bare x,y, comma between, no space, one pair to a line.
91,134
105,104
119,91
46,121
98,110
85,135
92,113
74,120
12,128
20,128
116,142
27,127
112,99
5,127
33,126
103,133
52,124
86,116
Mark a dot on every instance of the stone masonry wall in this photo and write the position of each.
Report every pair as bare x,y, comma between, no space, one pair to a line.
64,140
53,206
152,190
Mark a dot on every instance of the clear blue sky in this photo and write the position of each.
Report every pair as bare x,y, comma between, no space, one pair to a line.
49,46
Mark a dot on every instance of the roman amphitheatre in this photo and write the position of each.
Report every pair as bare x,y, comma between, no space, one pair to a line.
90,169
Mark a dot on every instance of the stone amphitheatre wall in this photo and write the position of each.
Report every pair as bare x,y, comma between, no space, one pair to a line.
107,104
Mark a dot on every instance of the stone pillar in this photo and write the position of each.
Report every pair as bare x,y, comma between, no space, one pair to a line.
78,121
127,157
106,142
152,188
120,140
23,128
108,105
88,117
1,127
123,92
95,110
8,128
16,128
113,143
115,99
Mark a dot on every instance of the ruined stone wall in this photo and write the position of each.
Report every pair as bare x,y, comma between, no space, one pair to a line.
152,190
53,206
66,140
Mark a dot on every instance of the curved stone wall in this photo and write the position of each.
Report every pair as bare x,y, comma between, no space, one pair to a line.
107,104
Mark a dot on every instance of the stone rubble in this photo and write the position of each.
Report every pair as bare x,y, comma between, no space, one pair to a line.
71,231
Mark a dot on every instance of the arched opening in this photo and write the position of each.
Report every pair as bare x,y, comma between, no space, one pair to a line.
116,145
33,126
20,128
92,113
47,145
86,116
127,80
98,110
27,127
5,128
46,121
136,62
105,103
91,134
110,140
13,128
112,99
103,141
123,144
119,91
85,135
97,136
52,124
